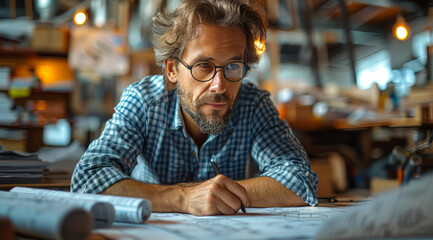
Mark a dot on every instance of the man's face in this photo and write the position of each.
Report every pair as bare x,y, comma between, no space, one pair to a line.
210,103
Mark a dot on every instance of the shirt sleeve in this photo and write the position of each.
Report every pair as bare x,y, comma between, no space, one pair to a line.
112,156
279,153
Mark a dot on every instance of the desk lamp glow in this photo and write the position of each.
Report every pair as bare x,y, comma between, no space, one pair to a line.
401,29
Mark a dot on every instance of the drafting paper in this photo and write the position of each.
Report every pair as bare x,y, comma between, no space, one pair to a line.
258,223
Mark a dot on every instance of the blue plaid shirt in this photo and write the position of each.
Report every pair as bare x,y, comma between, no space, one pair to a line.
146,140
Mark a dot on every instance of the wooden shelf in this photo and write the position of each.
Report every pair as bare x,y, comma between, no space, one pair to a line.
42,92
27,52
57,106
15,126
53,180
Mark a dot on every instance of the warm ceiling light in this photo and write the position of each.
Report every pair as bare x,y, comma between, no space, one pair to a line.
401,29
401,33
80,17
260,46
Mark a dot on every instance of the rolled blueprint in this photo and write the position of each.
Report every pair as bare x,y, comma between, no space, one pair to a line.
42,219
102,212
127,209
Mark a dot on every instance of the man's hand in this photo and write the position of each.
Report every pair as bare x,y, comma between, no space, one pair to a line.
219,195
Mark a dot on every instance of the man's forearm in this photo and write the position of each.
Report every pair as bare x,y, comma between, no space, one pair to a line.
164,198
268,192
187,197
218,195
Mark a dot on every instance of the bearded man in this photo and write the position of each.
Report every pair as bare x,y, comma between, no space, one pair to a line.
166,129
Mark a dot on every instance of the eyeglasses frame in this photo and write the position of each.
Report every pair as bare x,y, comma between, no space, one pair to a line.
189,67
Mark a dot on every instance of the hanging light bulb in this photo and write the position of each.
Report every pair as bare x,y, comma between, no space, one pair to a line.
401,29
80,17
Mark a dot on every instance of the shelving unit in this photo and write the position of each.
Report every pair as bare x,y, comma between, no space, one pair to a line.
48,106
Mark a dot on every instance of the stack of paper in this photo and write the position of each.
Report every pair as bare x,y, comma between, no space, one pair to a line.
8,116
5,74
18,167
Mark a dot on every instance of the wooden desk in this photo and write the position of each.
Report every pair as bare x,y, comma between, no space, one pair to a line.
316,134
318,137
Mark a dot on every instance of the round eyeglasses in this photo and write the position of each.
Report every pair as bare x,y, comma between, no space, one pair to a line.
204,71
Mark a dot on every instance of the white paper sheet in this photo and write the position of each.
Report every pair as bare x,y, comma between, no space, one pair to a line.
404,212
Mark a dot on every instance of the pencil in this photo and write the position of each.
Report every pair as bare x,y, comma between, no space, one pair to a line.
217,171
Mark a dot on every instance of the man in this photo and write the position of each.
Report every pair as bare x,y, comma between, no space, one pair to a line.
163,134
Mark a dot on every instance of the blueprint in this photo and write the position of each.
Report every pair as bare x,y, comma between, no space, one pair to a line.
258,223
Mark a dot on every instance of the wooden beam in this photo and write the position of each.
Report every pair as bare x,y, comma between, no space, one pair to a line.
349,44
405,5
307,16
13,9
29,9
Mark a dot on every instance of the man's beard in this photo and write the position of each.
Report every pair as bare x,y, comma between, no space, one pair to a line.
212,125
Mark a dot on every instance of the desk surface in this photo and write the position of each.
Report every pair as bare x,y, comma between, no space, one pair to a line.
258,223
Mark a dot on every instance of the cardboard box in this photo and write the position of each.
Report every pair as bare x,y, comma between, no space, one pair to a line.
49,39
379,185
324,170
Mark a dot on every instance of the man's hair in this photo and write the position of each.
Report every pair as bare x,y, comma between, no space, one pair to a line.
173,30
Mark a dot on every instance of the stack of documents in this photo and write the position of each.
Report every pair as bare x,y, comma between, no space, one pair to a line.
19,167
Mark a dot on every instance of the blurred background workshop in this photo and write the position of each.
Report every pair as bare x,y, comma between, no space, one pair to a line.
353,78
